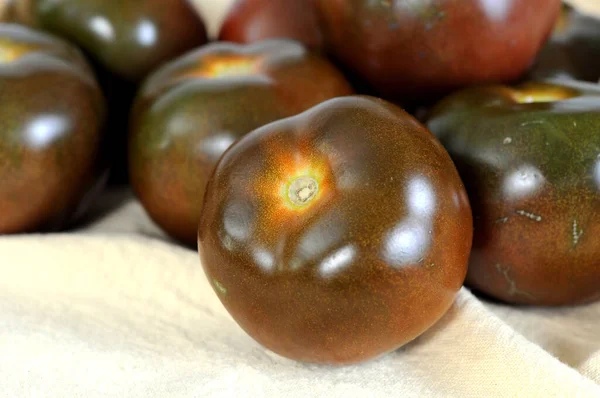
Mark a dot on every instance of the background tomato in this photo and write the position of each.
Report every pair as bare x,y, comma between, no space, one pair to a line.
51,121
125,40
530,159
191,110
417,50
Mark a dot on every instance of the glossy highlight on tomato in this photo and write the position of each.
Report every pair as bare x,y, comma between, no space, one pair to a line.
191,110
51,118
337,235
415,50
530,159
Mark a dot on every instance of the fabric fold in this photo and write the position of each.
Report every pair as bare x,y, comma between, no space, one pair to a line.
127,315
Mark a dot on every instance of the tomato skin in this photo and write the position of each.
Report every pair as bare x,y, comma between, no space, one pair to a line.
125,40
51,122
249,21
190,111
532,171
414,51
337,235
129,38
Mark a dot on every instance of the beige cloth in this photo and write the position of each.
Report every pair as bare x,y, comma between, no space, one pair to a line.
116,310
591,7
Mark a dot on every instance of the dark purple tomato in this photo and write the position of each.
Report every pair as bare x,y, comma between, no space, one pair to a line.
191,110
530,159
51,117
125,40
418,49
337,235
129,38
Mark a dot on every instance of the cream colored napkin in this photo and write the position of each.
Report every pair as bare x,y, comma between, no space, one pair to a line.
591,7
116,310
214,11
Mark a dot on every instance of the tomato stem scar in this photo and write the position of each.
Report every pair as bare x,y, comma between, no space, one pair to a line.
302,190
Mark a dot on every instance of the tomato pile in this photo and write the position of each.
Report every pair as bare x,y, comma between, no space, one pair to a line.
343,167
